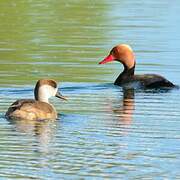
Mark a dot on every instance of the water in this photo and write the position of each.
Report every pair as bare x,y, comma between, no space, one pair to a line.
102,132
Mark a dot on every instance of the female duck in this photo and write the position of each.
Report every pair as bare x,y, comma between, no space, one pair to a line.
40,108
124,54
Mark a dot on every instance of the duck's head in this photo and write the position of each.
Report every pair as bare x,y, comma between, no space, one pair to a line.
46,88
122,53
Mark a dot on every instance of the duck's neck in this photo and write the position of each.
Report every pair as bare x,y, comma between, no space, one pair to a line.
43,93
41,97
125,76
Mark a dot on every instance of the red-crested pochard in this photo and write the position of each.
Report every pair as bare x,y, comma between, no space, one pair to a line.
124,54
40,108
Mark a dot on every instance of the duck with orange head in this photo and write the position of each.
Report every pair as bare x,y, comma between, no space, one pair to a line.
125,55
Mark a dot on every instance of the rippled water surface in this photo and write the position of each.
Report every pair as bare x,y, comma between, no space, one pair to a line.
102,131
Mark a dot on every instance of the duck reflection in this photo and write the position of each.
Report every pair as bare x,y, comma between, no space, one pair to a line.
43,130
126,109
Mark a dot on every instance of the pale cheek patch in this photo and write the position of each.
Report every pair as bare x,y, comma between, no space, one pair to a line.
45,92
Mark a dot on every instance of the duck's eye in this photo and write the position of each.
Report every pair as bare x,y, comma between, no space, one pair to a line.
112,52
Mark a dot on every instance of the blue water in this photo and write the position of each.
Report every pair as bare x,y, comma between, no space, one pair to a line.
98,134
102,132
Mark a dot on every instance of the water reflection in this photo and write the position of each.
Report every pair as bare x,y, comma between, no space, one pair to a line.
104,133
43,130
125,111
119,112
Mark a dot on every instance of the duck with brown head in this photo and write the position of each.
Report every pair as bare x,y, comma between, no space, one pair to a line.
40,108
124,54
